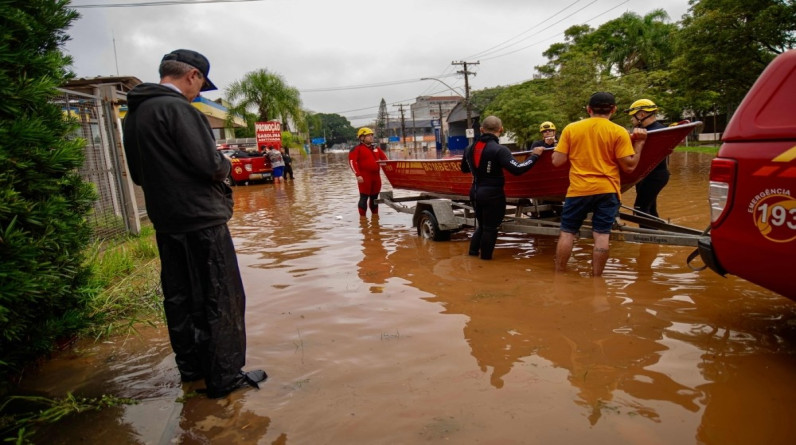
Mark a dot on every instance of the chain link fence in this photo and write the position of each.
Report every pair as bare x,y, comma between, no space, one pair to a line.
102,164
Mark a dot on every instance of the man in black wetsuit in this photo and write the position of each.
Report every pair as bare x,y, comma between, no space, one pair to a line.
643,115
486,159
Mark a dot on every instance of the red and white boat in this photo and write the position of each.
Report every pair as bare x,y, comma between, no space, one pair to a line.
543,182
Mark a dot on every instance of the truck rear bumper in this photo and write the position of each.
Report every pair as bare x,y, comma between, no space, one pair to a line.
708,255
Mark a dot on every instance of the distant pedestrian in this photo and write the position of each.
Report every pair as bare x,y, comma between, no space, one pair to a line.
171,154
288,164
363,160
596,149
277,163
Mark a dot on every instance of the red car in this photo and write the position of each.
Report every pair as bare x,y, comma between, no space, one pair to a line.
753,185
247,167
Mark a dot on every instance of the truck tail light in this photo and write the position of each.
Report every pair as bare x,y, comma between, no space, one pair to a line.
722,179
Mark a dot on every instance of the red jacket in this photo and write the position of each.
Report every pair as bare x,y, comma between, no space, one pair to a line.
362,159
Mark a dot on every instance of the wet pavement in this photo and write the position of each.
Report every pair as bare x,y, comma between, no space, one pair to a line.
371,335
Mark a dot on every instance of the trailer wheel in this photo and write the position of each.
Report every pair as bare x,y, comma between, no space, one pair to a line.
428,228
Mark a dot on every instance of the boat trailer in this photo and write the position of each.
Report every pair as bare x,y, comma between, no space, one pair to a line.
438,216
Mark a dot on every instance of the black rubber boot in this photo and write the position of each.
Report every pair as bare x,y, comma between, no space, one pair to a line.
250,378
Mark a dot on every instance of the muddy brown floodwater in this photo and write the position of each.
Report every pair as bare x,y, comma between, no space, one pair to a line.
371,335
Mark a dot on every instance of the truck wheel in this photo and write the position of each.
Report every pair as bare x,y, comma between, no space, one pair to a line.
428,228
229,181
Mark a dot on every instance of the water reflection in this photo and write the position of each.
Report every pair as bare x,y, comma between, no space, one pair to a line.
373,335
374,267
226,421
582,325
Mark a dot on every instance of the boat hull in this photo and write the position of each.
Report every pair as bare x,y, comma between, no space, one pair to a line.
545,182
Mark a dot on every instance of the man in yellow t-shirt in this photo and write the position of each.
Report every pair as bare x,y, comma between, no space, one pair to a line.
596,149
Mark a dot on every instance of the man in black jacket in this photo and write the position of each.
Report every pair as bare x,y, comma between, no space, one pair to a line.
171,154
486,159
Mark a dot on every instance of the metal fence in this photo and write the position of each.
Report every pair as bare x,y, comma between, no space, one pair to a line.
102,164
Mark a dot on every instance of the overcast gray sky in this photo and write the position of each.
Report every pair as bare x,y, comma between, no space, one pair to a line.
344,56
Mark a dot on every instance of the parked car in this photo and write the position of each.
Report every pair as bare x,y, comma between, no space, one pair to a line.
247,166
753,185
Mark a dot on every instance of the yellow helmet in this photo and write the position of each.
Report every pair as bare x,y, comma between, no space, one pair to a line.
546,126
364,131
641,105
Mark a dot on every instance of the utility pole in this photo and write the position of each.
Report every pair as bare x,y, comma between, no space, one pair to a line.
441,128
403,124
467,103
414,134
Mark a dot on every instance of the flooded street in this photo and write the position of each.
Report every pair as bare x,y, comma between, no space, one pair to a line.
371,335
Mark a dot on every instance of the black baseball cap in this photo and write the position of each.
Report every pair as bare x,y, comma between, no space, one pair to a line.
602,99
196,60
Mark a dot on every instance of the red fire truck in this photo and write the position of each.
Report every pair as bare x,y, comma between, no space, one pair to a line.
753,185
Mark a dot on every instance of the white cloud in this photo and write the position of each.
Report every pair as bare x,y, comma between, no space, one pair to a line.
316,44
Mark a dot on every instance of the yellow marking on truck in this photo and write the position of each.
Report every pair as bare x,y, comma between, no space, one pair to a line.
787,156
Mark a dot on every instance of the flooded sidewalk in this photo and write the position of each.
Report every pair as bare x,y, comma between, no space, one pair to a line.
371,335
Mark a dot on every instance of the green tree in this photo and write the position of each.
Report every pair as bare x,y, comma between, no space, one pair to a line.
723,47
558,52
381,122
632,42
627,43
628,56
522,108
335,128
481,99
268,96
43,201
578,78
247,131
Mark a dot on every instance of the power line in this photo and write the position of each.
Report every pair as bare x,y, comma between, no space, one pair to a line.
536,43
368,85
488,50
159,3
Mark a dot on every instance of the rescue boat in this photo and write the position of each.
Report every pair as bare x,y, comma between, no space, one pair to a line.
543,182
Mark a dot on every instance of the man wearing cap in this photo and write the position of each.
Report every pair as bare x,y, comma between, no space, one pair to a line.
596,149
171,154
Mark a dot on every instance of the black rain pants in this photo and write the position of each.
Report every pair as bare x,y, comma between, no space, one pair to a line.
490,207
204,303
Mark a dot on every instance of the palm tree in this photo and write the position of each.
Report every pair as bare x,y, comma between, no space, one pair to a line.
638,43
269,95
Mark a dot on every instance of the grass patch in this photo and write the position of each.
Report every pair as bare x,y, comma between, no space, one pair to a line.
18,422
709,149
126,285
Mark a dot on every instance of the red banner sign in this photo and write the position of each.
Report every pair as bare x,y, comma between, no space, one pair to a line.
268,134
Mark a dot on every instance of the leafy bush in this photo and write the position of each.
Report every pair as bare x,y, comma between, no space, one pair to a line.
43,200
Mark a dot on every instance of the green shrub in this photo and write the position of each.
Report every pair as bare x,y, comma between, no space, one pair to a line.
43,200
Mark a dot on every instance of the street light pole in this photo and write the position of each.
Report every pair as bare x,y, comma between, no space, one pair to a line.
440,81
441,126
